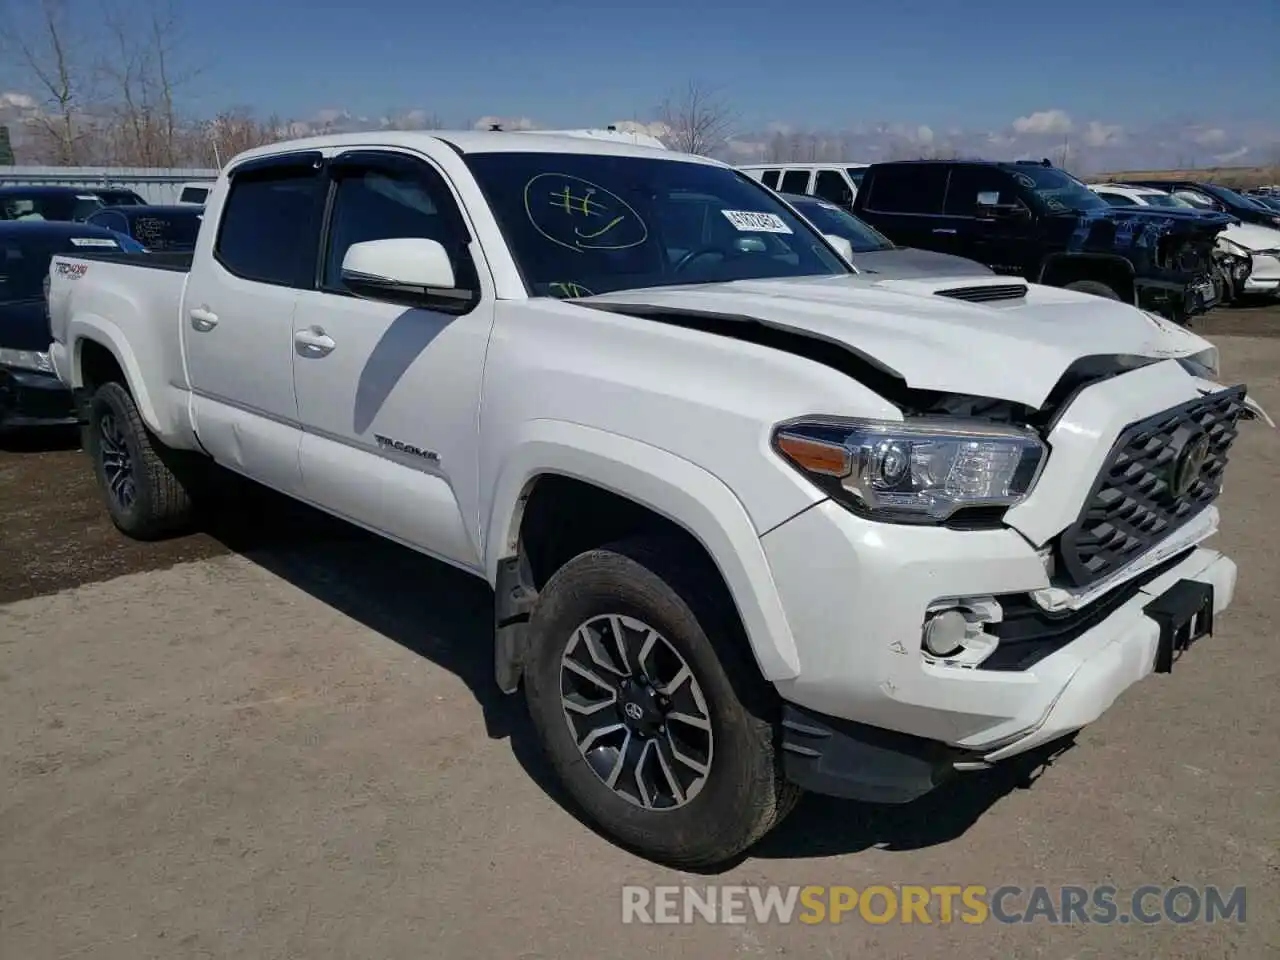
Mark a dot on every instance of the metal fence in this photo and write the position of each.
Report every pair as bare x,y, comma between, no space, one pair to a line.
156,185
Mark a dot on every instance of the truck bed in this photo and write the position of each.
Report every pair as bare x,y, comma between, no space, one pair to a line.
162,260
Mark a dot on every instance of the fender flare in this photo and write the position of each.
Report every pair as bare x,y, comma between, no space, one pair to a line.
100,330
669,485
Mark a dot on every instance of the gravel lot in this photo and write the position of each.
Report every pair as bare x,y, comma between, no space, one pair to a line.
280,738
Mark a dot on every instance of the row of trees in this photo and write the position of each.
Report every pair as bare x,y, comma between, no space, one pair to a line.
102,84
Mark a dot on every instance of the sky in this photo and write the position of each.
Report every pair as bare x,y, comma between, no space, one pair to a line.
996,73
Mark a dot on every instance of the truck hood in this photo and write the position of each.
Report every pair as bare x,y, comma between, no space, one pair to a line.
991,337
906,262
1128,227
1253,237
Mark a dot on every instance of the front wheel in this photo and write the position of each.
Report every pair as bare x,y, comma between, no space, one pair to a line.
1094,287
648,710
144,496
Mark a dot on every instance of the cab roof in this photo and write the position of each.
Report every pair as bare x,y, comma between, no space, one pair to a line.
474,142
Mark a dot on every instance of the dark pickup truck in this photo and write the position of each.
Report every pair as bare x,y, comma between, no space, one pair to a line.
1035,221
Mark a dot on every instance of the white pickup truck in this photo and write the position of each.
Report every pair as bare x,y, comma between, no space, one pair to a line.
755,523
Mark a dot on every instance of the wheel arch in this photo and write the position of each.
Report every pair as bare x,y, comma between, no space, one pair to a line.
1059,269
669,488
93,339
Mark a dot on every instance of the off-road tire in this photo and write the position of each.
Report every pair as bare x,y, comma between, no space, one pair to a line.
160,505
1094,287
652,580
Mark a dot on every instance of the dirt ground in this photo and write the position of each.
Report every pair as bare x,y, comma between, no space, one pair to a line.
280,738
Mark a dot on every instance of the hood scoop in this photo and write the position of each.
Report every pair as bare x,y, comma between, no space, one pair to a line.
987,293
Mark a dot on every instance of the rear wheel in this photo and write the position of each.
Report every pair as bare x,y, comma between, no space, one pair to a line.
647,709
144,496
1095,287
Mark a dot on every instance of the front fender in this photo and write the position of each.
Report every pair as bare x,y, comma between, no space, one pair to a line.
669,485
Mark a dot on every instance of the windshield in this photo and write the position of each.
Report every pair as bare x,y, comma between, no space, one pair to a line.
175,230
582,224
1272,202
1229,195
48,206
1058,191
829,218
24,263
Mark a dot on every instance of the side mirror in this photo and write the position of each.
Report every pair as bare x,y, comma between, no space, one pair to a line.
411,271
1003,211
842,245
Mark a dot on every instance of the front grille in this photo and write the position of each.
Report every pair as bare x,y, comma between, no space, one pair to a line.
1135,503
1004,291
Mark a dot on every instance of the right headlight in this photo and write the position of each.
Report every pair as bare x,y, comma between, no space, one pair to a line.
913,471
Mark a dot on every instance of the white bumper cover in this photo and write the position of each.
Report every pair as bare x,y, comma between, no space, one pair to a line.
856,595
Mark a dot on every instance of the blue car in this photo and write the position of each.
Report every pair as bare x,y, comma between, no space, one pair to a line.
31,395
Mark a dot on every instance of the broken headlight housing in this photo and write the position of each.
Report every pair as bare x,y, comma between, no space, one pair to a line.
917,470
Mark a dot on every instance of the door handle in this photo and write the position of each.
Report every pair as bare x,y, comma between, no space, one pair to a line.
203,319
314,342
948,231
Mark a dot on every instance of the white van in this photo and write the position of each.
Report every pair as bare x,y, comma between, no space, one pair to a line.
836,182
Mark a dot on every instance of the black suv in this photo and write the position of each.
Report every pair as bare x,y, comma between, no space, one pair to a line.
1033,220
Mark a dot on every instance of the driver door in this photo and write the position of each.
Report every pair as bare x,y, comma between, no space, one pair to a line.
388,394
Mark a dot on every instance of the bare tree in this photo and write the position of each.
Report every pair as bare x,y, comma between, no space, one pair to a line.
56,63
141,69
697,119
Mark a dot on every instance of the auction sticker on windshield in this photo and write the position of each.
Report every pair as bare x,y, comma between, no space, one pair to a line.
747,220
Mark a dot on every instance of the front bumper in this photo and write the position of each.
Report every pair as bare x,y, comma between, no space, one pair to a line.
31,398
857,615
1264,278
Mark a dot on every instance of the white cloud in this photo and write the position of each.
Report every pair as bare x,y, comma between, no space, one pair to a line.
17,101
1044,122
507,123
1210,137
1099,134
923,134
1231,157
744,151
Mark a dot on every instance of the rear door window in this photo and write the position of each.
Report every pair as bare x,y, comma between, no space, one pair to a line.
795,181
770,179
913,188
270,226
830,185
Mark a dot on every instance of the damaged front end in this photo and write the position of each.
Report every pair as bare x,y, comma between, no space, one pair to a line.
1179,269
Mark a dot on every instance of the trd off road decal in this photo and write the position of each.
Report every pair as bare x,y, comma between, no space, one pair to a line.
72,271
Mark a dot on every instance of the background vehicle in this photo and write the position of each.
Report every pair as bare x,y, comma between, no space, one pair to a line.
171,228
1270,201
117,196
47,203
836,182
1038,222
1214,196
872,252
1248,254
31,395
754,523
